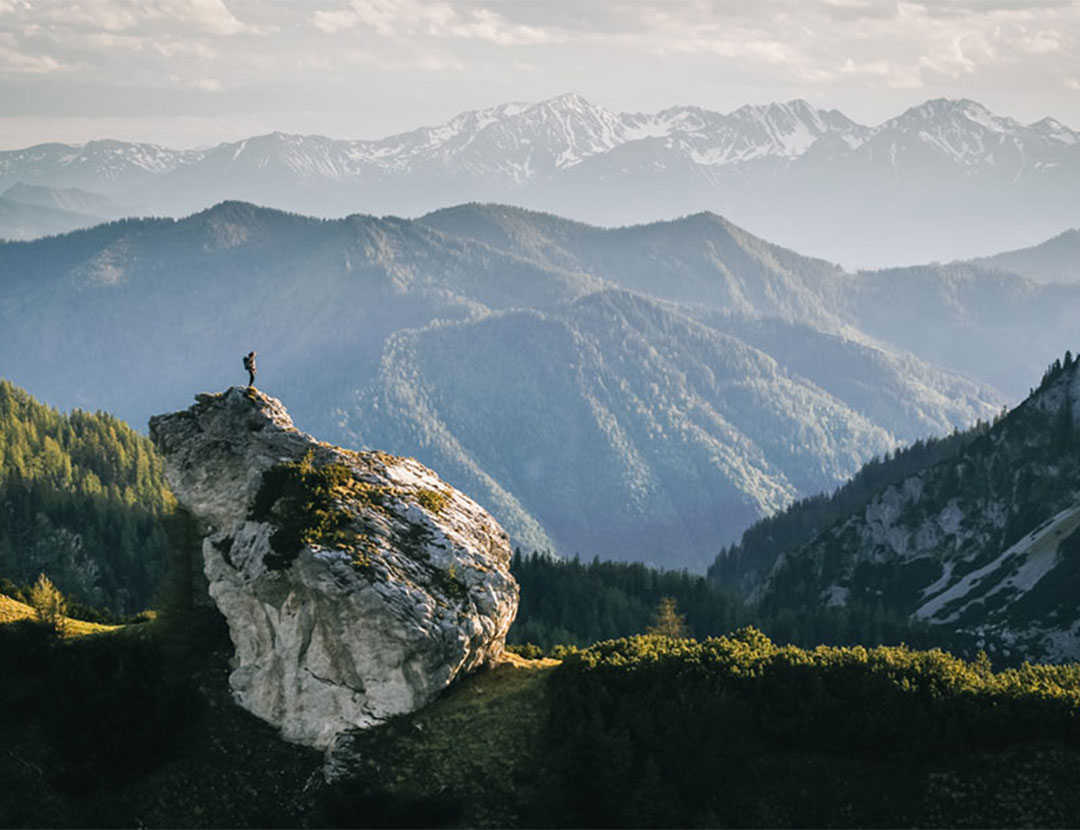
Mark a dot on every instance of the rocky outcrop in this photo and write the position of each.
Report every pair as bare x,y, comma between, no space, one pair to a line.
356,586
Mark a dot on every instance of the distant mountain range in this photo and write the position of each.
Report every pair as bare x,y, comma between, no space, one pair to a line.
641,393
32,211
1055,261
944,180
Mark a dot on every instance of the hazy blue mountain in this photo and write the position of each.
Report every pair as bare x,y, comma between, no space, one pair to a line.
910,397
93,205
19,220
676,416
1057,260
33,211
700,260
998,327
619,425
943,180
138,313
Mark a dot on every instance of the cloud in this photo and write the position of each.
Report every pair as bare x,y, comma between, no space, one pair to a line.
402,59
13,62
1039,42
411,18
211,16
173,48
416,61
131,16
834,41
201,84
207,84
17,61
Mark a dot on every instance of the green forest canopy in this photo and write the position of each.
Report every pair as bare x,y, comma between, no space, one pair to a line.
84,501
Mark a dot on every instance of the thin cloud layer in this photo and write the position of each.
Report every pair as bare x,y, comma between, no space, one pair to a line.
365,68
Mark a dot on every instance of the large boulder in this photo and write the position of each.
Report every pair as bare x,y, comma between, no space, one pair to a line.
356,585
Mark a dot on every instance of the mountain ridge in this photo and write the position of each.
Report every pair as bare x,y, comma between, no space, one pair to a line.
981,543
762,165
1053,261
674,119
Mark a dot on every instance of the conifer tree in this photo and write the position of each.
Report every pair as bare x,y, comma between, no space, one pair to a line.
48,603
668,622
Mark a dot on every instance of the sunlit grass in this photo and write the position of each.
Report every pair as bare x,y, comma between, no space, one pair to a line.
11,610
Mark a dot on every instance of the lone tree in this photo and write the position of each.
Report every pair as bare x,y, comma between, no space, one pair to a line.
668,622
48,603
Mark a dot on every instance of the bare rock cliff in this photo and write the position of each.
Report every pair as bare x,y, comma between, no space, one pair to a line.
356,586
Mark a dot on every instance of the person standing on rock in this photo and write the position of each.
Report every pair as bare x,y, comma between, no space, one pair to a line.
249,364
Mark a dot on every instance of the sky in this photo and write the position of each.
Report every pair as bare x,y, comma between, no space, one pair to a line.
188,73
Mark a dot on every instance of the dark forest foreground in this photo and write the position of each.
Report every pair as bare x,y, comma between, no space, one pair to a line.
136,728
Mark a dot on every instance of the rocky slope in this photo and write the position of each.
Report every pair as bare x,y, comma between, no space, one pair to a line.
984,544
356,586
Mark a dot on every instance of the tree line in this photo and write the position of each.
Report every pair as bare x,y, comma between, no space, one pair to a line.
567,602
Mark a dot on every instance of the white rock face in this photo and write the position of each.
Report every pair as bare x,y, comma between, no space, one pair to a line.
364,608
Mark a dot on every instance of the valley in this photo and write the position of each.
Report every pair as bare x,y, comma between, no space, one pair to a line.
677,380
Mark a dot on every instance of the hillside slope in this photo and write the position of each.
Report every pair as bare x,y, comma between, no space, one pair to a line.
983,542
641,431
20,220
1056,260
85,503
11,610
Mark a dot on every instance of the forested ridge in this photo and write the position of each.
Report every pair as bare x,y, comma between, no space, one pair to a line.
83,500
739,567
980,544
567,602
570,602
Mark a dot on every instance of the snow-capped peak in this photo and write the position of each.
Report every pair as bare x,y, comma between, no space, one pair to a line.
519,142
567,101
967,133
751,132
1053,129
954,111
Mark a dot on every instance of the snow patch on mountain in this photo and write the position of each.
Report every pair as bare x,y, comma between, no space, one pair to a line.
1027,562
524,142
